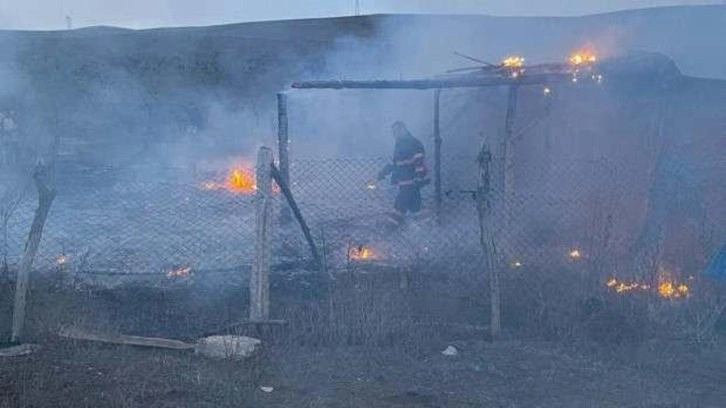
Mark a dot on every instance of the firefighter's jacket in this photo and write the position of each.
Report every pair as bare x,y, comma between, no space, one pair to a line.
409,165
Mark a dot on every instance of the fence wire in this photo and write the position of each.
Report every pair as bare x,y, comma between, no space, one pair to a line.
583,214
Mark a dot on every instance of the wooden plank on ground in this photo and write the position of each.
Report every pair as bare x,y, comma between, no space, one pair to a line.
77,334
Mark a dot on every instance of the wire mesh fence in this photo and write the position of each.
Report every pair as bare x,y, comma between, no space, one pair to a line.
162,224
133,225
351,211
593,216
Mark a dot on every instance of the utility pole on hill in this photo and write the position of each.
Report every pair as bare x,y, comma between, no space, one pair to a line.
356,7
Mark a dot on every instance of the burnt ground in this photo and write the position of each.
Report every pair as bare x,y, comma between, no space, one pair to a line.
380,347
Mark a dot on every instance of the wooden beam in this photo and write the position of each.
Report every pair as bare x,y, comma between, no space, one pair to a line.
260,275
75,334
437,83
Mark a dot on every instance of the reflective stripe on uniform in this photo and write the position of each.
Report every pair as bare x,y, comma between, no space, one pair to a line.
411,160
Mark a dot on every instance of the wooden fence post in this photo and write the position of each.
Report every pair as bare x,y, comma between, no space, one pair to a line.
437,151
507,147
260,275
283,144
486,230
46,194
283,140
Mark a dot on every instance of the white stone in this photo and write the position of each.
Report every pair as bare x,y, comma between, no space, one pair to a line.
450,351
267,389
229,347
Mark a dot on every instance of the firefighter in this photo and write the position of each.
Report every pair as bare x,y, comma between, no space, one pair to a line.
407,170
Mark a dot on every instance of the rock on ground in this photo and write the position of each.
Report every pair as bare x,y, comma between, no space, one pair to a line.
228,347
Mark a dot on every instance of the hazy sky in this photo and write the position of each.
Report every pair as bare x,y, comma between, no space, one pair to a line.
50,14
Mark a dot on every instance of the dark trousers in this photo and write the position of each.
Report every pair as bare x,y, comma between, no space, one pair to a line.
408,199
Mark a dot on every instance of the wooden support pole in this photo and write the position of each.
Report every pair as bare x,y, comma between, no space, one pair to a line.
283,140
507,146
283,144
46,194
260,274
486,230
437,151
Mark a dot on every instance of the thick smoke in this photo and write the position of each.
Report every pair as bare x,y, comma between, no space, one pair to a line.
159,105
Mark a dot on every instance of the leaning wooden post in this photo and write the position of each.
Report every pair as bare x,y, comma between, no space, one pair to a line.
260,276
486,237
283,144
296,212
437,151
46,194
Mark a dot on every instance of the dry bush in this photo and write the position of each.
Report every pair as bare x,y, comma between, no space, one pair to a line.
386,308
557,305
356,310
560,304
695,318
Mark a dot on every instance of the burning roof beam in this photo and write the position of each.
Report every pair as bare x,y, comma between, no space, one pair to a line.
437,83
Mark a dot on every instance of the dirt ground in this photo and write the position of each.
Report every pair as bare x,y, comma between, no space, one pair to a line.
394,369
506,374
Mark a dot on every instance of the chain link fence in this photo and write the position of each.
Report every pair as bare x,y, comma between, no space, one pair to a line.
164,224
548,220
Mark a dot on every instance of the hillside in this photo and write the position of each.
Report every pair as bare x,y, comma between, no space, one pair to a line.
215,85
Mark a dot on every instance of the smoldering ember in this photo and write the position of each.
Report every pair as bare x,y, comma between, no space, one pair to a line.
375,210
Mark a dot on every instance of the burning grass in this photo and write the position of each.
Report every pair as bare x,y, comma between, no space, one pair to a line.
362,254
179,273
666,288
581,58
513,62
240,180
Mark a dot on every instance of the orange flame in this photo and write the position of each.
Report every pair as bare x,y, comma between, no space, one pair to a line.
666,289
671,290
362,253
178,273
583,57
622,287
241,181
513,62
